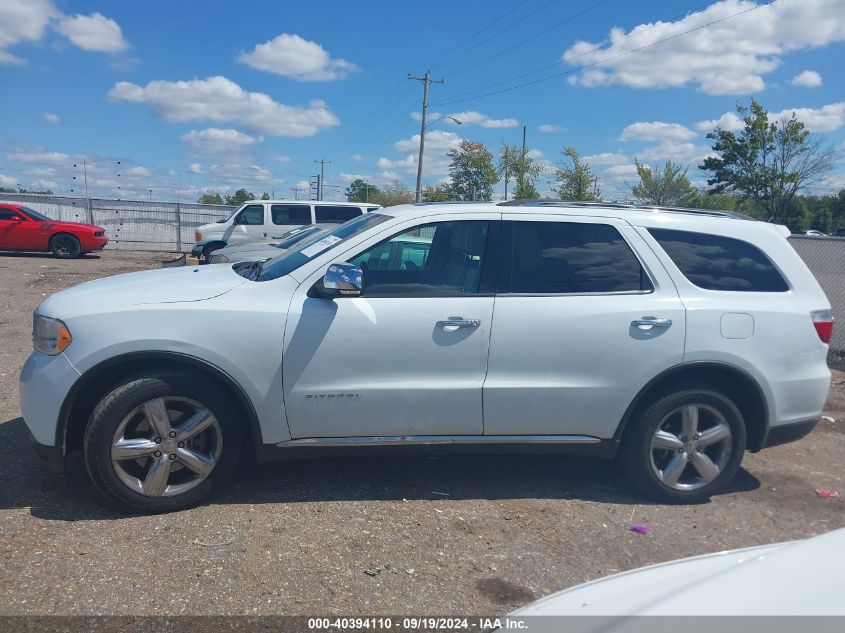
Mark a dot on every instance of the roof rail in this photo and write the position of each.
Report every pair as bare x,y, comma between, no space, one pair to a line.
551,202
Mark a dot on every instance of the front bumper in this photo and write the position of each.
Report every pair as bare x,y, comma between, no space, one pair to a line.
52,456
196,251
45,382
91,244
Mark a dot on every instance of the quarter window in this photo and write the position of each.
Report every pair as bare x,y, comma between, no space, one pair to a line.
441,259
252,215
714,262
290,214
326,214
572,257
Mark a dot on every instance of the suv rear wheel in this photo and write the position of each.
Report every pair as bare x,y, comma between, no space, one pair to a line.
685,446
162,442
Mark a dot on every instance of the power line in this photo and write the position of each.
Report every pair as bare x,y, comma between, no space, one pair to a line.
590,65
529,39
497,33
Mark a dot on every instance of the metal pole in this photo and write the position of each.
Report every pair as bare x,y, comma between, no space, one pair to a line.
178,228
506,173
322,176
85,172
522,158
426,79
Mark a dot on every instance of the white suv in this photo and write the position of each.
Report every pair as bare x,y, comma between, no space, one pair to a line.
674,339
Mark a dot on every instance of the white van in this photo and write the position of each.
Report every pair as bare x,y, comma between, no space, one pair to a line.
257,219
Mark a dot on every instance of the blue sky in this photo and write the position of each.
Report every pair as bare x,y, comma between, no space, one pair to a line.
191,96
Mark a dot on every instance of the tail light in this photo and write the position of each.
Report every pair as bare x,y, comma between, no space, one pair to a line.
823,322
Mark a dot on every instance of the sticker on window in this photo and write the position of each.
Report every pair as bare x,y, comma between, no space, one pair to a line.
318,247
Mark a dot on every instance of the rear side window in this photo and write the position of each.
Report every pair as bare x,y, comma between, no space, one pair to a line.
290,214
714,262
572,257
326,214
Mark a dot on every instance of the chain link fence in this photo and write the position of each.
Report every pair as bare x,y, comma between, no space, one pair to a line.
138,225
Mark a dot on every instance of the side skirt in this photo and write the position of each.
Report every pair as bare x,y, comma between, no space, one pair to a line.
310,447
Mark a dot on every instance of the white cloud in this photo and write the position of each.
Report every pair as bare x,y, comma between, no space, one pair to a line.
93,32
41,171
808,79
657,131
44,184
728,121
548,128
140,172
49,158
730,57
22,21
435,141
284,159
51,118
676,152
620,172
293,56
220,100
239,172
8,181
303,185
607,158
471,117
356,157
825,119
500,123
217,140
436,163
347,178
195,168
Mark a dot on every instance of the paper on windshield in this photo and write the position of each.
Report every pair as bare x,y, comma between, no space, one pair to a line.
320,246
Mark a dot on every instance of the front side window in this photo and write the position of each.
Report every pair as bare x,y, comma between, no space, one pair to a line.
714,262
328,214
7,214
290,214
571,258
251,215
440,259
303,252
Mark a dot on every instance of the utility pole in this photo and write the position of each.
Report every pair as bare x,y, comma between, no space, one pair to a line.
522,160
322,163
426,79
295,192
506,172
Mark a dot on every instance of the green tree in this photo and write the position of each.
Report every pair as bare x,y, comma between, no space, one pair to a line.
471,172
768,162
665,186
436,194
393,194
575,180
265,196
239,197
360,190
522,168
211,197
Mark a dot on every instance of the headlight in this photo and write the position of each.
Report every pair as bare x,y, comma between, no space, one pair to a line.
197,236
49,336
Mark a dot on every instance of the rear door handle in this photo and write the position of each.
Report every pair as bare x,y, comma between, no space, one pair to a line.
649,322
457,321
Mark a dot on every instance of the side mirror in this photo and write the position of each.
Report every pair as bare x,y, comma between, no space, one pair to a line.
343,280
17,218
238,220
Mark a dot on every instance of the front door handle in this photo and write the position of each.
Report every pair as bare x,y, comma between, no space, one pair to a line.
457,321
649,322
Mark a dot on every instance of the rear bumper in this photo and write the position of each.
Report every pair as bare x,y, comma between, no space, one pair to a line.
785,433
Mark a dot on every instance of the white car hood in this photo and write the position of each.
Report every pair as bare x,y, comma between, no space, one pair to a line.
798,578
166,285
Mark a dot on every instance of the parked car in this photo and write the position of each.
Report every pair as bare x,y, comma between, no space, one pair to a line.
676,340
798,578
814,233
257,219
24,229
263,249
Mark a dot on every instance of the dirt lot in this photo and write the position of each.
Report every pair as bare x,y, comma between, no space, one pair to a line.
362,536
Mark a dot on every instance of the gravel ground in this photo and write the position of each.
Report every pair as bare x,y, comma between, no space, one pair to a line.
398,535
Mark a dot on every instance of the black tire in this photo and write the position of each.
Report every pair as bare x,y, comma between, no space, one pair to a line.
117,405
636,449
208,249
65,246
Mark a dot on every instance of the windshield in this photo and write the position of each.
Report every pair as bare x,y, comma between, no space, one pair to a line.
286,240
311,247
35,215
228,217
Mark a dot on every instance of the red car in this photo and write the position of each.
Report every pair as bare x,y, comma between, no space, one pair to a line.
22,229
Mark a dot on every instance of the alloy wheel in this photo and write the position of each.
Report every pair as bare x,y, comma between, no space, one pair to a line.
691,446
166,446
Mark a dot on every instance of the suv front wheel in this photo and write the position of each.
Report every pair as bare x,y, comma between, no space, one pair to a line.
162,441
685,446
